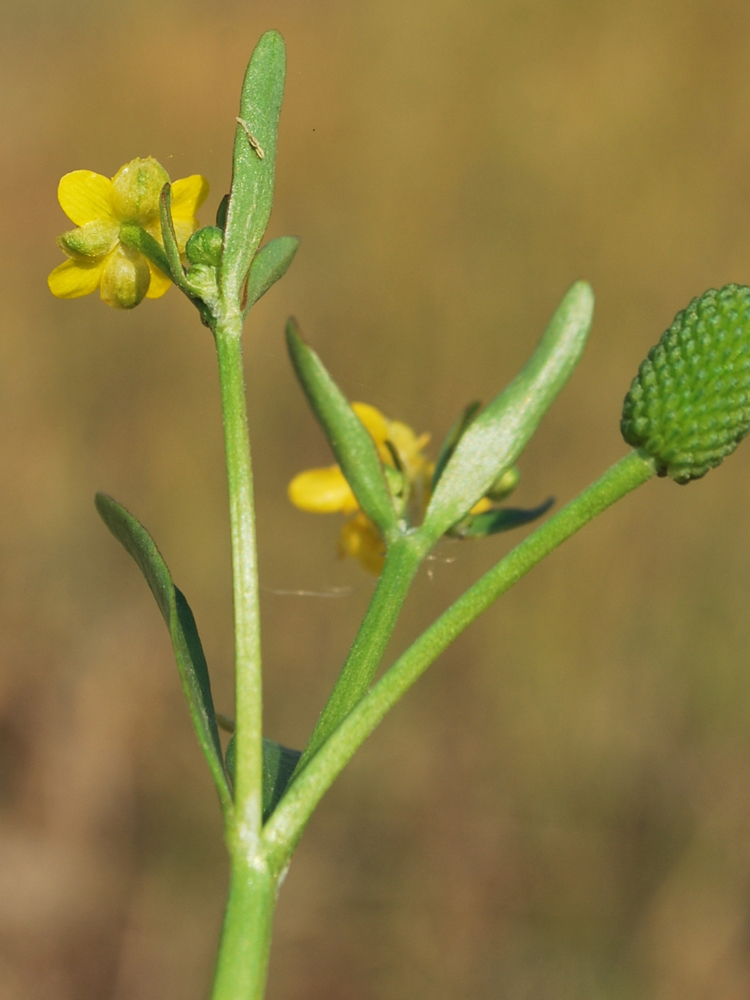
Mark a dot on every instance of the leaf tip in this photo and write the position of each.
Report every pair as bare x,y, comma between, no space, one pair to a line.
581,297
271,43
102,502
272,35
293,335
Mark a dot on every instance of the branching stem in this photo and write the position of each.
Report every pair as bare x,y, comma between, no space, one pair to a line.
285,827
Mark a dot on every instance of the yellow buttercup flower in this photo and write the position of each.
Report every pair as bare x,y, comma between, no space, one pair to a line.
360,539
99,206
323,491
326,491
409,474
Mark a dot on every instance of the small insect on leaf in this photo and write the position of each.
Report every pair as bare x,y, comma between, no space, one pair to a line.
251,138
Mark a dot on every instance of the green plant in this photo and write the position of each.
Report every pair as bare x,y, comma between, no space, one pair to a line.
686,410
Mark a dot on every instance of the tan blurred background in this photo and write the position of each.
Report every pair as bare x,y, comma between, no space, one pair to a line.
561,808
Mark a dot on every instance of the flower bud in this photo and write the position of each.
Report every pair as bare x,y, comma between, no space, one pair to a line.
204,246
136,188
689,404
125,278
504,485
94,239
395,480
201,279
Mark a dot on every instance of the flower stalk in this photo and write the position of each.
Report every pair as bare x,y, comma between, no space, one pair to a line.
401,564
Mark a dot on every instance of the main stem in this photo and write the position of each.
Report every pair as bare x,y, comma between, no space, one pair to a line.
248,690
242,964
246,936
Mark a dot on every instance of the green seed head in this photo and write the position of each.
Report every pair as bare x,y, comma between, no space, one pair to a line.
689,404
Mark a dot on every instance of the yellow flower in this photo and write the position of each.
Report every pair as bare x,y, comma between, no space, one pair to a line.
360,539
326,491
99,206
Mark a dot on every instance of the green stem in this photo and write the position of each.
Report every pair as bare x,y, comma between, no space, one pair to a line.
283,830
401,563
242,964
244,836
135,237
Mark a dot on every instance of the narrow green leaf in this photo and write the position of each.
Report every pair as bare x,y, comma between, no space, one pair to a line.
221,212
251,194
352,445
269,264
191,662
454,435
493,521
279,763
499,434
133,236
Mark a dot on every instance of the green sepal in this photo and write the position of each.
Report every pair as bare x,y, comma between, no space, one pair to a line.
135,237
251,193
352,445
269,264
90,241
453,436
493,521
188,651
496,437
279,763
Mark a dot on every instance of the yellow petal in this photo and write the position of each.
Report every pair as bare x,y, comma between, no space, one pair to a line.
159,282
85,196
188,194
408,446
75,278
373,420
322,491
481,506
360,539
183,230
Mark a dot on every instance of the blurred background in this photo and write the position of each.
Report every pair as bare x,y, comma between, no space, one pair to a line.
561,807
